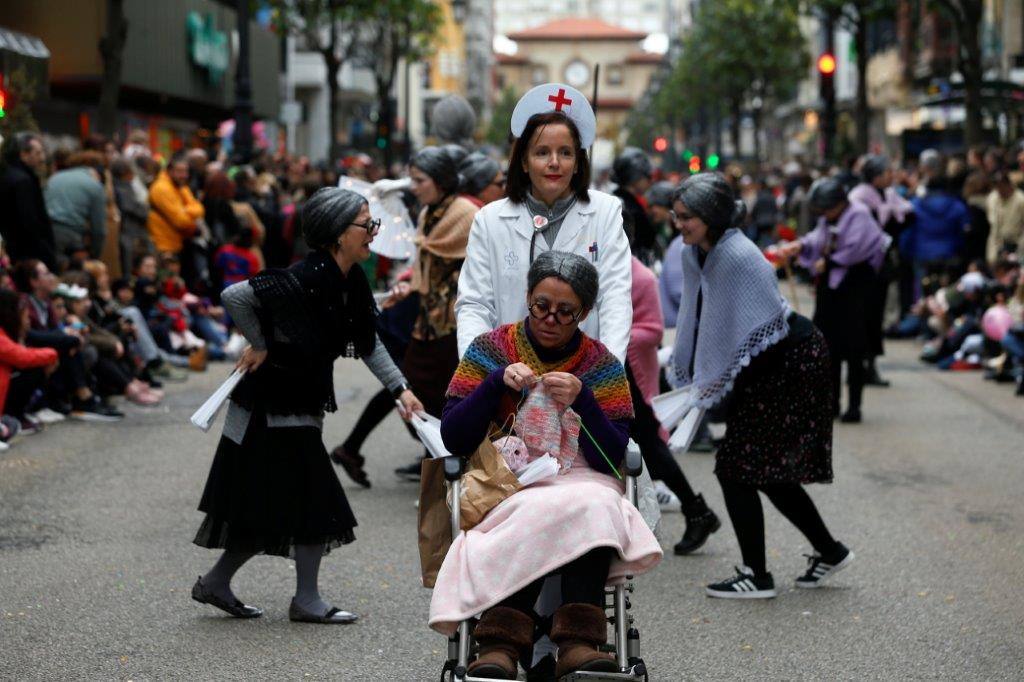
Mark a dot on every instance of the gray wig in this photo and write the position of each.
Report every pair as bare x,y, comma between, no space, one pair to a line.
327,214
571,268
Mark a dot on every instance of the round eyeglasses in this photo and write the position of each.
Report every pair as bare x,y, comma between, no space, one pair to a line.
542,310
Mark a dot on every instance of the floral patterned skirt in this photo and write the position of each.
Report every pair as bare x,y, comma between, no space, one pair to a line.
779,423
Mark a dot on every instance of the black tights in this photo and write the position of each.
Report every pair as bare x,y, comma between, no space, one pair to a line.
655,452
856,374
747,517
583,581
379,407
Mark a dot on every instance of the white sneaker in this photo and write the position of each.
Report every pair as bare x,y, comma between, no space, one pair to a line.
4,447
667,499
48,416
234,347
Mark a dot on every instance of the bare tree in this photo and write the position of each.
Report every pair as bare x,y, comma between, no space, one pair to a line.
330,28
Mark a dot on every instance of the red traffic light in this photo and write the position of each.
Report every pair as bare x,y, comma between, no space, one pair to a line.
660,144
826,64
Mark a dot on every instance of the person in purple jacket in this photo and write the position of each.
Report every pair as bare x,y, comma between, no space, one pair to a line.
844,252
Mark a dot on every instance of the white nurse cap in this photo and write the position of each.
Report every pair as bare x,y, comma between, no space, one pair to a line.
556,97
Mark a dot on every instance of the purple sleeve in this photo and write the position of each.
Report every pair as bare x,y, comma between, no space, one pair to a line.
612,435
464,421
812,245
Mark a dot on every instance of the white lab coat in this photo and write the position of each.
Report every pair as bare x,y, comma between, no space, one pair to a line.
492,284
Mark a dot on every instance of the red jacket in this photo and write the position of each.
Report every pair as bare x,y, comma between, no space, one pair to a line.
14,356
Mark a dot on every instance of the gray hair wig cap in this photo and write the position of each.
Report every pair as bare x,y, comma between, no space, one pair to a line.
631,165
571,268
327,214
478,171
453,120
826,193
660,194
873,166
441,165
710,197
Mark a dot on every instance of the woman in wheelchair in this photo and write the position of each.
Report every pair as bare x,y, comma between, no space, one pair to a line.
576,524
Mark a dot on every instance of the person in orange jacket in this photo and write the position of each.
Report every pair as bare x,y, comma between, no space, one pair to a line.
16,359
174,213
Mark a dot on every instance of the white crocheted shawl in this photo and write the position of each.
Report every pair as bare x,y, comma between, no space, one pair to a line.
742,314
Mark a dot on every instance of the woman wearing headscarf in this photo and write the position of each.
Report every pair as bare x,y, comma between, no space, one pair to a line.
576,524
740,347
271,488
845,252
441,236
483,181
893,214
631,171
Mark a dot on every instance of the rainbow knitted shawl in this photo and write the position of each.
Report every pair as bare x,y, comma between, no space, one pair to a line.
592,363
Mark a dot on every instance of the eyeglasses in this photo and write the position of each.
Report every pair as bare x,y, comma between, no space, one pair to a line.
542,310
678,218
372,227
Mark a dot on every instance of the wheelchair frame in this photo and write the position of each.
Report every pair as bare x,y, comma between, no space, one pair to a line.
626,641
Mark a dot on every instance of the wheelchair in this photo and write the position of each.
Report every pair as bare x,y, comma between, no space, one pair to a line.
626,640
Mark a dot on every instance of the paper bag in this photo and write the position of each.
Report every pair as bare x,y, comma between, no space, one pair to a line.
435,521
487,482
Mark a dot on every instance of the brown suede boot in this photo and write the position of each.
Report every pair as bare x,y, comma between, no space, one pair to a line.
502,633
578,630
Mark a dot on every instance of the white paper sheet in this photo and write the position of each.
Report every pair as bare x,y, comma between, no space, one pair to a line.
428,428
683,436
207,412
543,467
671,407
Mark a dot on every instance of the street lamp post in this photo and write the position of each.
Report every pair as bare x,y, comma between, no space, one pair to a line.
242,137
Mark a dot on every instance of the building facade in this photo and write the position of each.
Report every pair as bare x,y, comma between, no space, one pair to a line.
178,65
568,50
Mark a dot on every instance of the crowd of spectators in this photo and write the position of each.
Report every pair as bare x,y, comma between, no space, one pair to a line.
957,223
112,264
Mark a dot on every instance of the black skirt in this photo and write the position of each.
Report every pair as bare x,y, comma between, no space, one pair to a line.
842,313
275,490
779,414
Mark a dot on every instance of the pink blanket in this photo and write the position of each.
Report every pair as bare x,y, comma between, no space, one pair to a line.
532,533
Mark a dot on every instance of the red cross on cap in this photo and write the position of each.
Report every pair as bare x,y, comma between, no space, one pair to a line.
559,99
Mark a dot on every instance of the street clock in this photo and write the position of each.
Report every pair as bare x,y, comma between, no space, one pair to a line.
577,73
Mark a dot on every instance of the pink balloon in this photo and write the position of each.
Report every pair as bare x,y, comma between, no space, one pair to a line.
996,322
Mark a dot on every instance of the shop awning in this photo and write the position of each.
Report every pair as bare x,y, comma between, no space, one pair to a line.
29,53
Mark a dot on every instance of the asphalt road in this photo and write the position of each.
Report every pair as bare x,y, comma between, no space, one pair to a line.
96,560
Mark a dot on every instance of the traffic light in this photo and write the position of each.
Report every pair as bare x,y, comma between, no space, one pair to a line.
660,144
826,64
713,161
3,97
382,135
694,164
827,92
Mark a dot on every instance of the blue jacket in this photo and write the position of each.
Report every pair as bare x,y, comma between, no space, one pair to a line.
941,220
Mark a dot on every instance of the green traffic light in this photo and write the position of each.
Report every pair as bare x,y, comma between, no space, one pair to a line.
381,143
713,161
687,155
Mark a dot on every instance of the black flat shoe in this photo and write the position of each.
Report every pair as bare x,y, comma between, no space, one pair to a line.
352,463
334,616
851,417
236,609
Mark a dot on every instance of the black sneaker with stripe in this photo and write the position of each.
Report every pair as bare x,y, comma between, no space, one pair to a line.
744,585
819,568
